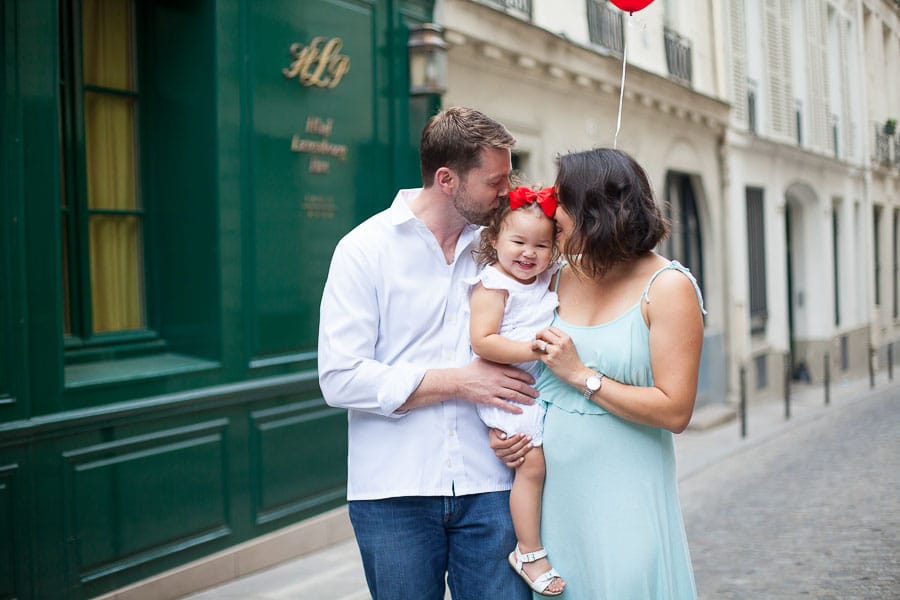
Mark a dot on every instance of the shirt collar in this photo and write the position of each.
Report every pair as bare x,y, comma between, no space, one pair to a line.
399,210
401,213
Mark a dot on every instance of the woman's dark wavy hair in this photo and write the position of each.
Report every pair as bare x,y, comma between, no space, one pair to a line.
615,217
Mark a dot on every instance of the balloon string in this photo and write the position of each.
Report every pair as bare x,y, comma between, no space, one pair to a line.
622,86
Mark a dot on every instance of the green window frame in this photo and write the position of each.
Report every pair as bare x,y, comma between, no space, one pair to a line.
148,197
104,272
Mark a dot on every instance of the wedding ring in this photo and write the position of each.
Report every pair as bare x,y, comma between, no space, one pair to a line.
543,346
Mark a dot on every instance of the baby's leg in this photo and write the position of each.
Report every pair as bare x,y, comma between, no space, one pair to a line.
525,507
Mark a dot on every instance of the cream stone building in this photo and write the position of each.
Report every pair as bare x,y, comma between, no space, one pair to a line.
761,122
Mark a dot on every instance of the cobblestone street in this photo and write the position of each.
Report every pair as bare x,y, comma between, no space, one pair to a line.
801,508
812,513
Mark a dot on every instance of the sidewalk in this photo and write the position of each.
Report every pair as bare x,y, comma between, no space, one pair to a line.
335,573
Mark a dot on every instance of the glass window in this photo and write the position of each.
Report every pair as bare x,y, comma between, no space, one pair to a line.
102,214
895,253
876,241
836,253
685,243
756,259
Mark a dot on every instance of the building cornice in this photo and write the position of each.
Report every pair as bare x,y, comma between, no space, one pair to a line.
492,36
797,155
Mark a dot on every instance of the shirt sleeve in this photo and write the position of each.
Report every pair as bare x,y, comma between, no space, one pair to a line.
350,374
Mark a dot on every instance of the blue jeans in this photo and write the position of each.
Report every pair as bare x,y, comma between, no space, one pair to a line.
410,544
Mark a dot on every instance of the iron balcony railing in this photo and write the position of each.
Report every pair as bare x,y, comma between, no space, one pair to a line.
678,56
835,123
886,150
605,26
882,148
518,8
751,106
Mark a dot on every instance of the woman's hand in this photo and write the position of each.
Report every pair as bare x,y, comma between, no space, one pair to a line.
510,449
559,354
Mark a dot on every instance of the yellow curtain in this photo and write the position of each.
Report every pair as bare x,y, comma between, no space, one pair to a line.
107,54
115,283
109,120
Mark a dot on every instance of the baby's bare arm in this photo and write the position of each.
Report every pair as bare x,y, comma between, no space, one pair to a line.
487,308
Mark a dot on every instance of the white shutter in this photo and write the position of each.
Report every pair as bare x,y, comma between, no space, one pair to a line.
777,24
817,76
845,125
738,61
787,101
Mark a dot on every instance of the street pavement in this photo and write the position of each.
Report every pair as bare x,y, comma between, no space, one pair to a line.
801,507
813,513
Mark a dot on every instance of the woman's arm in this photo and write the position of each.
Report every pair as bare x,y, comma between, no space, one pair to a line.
676,339
487,306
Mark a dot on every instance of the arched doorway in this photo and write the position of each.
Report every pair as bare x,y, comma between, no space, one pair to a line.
685,243
799,240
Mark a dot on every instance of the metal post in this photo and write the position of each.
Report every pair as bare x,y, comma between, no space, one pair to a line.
890,361
787,385
871,366
826,379
743,402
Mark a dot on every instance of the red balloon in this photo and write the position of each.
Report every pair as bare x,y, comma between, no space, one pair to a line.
631,6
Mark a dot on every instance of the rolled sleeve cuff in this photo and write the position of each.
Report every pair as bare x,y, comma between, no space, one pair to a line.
396,388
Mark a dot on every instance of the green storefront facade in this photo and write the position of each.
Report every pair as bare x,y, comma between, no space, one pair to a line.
158,412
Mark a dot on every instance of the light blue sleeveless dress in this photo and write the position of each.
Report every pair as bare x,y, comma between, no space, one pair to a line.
611,519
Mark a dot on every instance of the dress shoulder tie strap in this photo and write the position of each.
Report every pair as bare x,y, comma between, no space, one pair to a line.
557,275
677,266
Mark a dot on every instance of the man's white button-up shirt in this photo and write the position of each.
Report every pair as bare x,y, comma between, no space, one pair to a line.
393,308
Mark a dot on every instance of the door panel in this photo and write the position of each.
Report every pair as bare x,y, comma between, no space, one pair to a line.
319,92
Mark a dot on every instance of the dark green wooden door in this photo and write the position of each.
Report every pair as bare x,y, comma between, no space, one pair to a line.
269,128
319,159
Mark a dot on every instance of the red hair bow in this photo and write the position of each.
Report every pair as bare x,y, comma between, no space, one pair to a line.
546,199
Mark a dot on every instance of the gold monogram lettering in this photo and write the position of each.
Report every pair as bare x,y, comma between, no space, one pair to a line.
319,64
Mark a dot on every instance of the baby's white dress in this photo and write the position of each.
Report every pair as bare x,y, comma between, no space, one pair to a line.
529,308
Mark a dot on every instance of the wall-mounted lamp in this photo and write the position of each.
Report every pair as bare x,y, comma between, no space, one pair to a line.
427,60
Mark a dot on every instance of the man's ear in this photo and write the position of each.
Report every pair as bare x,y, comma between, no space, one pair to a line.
446,180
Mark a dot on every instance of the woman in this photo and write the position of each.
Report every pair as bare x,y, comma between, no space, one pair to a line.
623,354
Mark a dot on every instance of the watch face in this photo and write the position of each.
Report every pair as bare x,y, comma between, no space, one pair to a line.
592,383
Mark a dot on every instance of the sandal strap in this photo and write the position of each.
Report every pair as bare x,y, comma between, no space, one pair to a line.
543,581
530,557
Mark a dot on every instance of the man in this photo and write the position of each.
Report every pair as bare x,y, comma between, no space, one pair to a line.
427,497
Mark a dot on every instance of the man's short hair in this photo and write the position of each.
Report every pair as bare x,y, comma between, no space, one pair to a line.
455,137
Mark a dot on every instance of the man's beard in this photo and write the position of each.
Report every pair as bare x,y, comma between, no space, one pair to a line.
462,202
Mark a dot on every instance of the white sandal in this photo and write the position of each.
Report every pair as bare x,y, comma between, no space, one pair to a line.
517,561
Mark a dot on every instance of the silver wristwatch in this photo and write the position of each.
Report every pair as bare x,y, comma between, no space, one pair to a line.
592,384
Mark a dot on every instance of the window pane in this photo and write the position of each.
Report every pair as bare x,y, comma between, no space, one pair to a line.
756,258
107,47
110,148
117,287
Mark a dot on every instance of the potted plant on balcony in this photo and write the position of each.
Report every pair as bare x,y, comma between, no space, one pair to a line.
890,126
